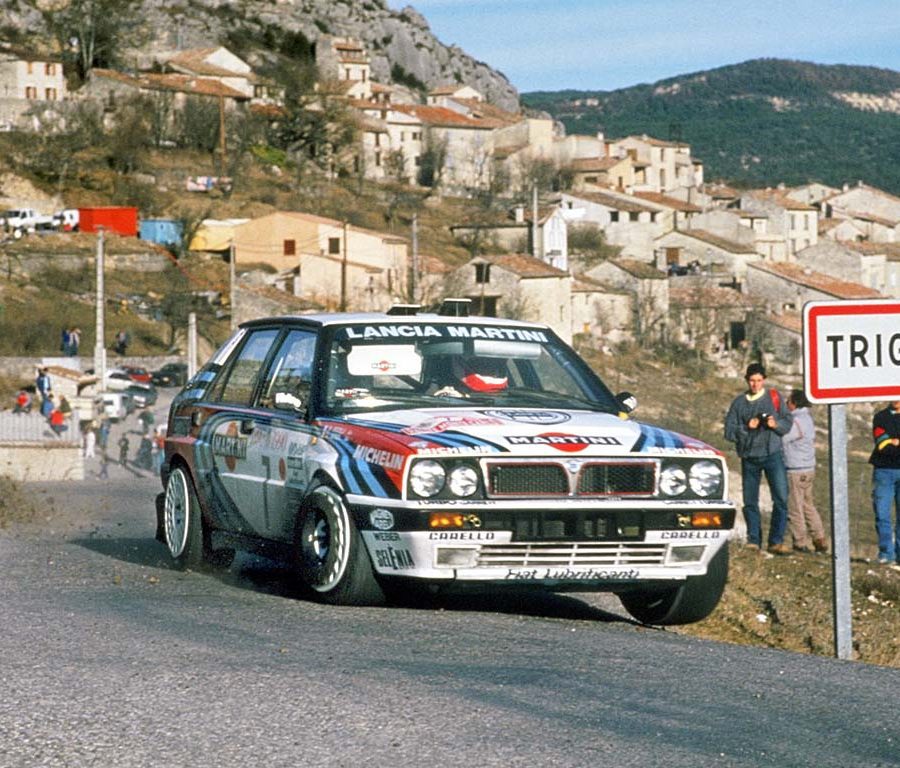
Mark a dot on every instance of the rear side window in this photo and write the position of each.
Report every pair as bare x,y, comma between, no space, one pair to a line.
238,383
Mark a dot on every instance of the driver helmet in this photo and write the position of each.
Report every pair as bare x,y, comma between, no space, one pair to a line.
482,374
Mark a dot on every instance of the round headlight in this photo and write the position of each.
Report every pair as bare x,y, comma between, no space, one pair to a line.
463,481
673,480
705,478
426,478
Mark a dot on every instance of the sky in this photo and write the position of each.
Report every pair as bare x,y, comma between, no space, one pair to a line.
608,44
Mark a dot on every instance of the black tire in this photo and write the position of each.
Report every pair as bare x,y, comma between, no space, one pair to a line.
331,557
692,601
182,522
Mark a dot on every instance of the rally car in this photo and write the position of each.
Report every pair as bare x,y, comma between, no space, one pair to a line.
380,450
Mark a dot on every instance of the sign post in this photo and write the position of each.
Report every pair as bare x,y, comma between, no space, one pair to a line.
851,353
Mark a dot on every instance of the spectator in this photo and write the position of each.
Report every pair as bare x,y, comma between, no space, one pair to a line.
755,423
58,422
885,459
74,341
147,419
47,406
103,434
42,383
65,406
799,446
90,440
64,340
23,402
123,450
121,343
104,465
159,448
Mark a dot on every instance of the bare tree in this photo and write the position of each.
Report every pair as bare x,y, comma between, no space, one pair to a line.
91,32
433,160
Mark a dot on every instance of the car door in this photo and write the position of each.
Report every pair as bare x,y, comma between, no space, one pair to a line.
281,438
230,432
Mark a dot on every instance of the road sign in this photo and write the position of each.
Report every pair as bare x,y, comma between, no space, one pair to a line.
851,350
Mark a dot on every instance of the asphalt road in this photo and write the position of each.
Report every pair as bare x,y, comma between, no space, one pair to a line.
108,657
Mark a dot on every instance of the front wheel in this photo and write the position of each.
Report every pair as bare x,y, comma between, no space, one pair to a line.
182,524
691,601
331,556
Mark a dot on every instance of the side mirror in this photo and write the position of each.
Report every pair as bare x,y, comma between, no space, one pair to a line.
627,402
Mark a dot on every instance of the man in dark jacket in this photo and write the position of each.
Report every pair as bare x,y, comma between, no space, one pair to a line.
755,423
885,459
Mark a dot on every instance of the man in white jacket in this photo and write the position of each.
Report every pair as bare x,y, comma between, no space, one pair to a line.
799,449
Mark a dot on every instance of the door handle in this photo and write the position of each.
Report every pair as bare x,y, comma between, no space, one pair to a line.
247,426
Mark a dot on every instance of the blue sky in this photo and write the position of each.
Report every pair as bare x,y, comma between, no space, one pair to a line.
609,44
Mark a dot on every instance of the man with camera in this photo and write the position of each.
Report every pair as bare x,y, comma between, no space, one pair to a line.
755,423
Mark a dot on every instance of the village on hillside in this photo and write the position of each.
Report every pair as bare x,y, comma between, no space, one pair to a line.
685,260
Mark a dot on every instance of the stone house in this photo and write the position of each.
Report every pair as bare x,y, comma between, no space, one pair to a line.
325,260
221,64
649,289
518,286
710,253
601,311
795,221
660,166
28,80
875,212
854,262
592,174
626,221
706,316
346,61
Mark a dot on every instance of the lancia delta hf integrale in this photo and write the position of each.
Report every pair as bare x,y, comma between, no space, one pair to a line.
375,449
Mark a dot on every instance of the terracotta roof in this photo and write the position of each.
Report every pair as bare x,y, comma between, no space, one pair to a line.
669,202
826,225
194,60
720,191
596,164
618,203
779,197
890,250
443,117
720,242
796,273
524,266
790,321
696,296
750,214
585,284
642,270
199,86
889,223
444,90
483,110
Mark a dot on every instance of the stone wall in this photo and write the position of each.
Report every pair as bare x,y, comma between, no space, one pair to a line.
34,462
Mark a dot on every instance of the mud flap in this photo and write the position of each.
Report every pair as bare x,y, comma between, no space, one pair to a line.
160,515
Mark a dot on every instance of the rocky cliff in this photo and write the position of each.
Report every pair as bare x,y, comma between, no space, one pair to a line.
397,41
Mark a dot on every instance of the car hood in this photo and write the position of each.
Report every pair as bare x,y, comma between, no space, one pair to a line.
518,431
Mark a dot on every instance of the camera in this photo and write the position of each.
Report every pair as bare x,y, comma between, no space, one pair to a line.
763,418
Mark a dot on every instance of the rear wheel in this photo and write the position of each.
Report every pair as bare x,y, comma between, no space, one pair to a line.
332,558
182,523
691,601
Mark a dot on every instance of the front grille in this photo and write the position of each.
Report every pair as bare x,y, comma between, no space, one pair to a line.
562,555
617,479
527,480
573,477
573,524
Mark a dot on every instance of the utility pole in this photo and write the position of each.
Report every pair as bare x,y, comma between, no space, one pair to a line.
344,272
535,249
222,132
100,333
232,279
414,277
192,345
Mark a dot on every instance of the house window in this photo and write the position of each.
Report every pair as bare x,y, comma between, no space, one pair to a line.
347,74
378,159
614,216
49,69
377,139
590,179
29,67
633,216
482,273
50,94
334,245
290,247
363,73
417,160
30,92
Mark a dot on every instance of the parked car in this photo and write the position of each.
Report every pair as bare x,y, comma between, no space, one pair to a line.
117,380
20,221
136,373
170,375
372,450
114,405
142,395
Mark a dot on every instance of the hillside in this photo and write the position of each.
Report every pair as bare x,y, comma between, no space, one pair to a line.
401,45
757,123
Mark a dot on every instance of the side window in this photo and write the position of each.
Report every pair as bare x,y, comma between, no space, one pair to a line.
290,376
239,382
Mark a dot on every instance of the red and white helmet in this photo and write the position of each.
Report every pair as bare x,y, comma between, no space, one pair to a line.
482,374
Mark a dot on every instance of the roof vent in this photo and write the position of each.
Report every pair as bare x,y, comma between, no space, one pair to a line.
455,307
404,309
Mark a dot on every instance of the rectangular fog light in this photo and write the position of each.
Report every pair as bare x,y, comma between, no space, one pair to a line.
686,554
456,557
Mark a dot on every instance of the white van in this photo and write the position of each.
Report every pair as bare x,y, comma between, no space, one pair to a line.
114,405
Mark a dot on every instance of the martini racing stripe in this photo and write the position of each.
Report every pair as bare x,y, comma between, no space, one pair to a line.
361,477
450,438
654,437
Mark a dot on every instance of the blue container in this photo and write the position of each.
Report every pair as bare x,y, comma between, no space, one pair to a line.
165,232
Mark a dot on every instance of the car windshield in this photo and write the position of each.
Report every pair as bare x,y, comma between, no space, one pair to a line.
386,366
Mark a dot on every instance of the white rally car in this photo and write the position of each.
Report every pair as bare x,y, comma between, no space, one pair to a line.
461,452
